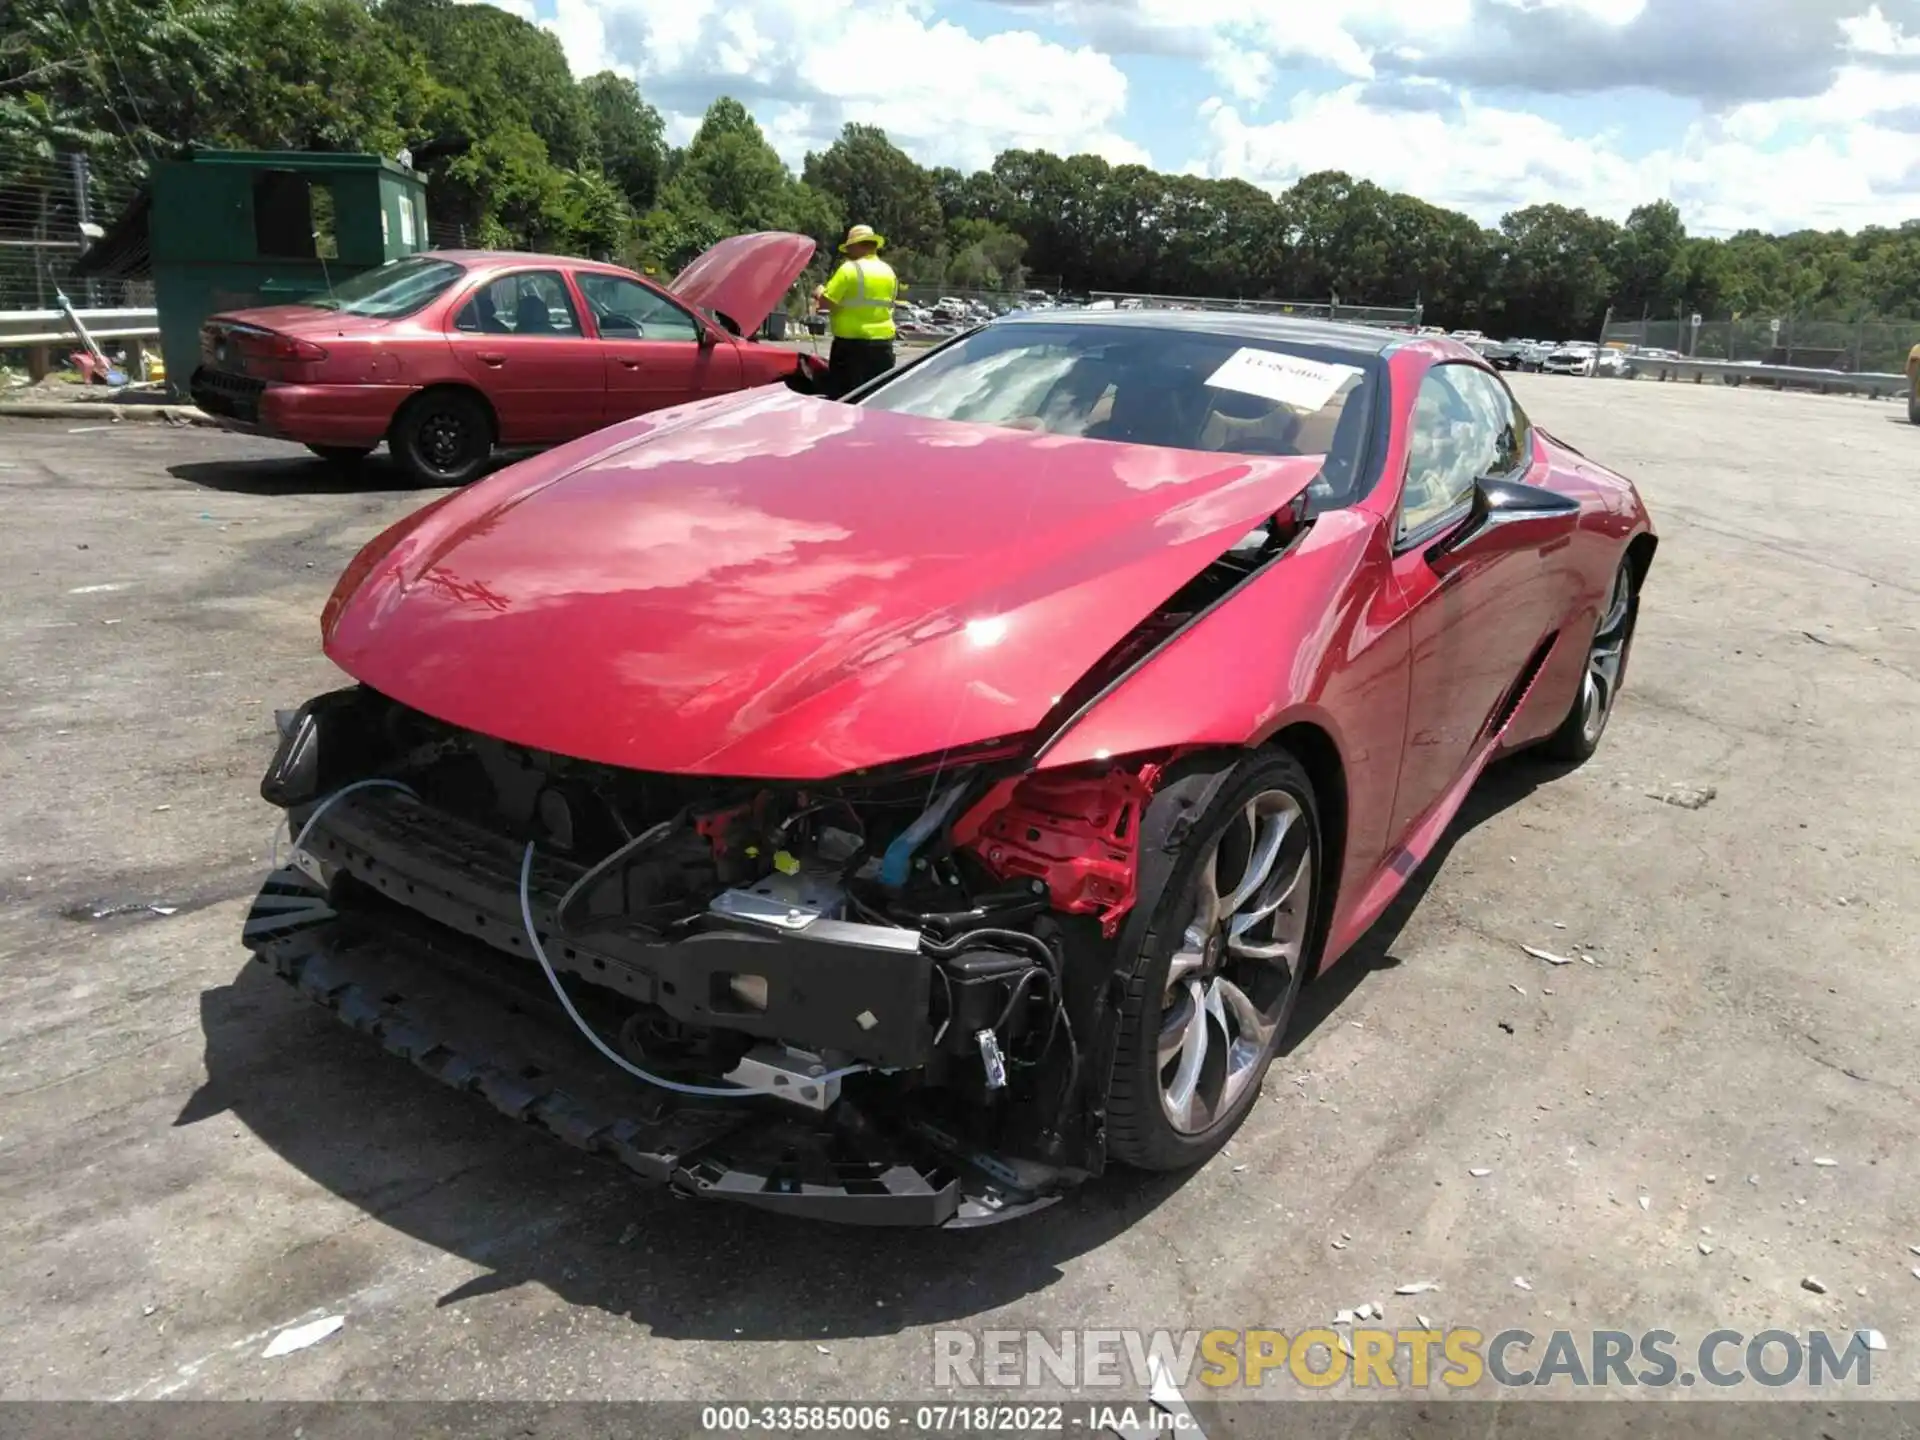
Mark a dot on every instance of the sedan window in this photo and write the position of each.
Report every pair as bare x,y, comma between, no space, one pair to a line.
624,309
531,303
392,290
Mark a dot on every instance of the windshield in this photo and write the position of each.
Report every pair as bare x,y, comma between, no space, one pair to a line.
393,290
1149,385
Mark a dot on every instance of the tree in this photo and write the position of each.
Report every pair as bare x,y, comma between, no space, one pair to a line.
1554,272
876,183
629,136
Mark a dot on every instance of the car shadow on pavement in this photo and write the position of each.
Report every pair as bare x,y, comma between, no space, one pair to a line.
299,473
445,1169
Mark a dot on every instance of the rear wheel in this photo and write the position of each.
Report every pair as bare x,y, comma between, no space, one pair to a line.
342,454
1579,734
1219,971
443,437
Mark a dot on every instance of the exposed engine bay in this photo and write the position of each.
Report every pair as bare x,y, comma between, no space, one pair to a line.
935,941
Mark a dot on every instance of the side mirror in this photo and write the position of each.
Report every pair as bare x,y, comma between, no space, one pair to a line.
1505,516
707,338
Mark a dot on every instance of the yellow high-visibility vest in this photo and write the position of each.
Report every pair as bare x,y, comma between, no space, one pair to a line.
863,292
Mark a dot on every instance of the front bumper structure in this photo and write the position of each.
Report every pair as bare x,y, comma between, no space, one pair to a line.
445,980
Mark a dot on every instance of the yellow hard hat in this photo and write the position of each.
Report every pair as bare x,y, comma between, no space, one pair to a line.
861,233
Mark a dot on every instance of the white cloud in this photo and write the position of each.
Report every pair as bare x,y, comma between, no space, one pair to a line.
1478,158
942,92
1842,159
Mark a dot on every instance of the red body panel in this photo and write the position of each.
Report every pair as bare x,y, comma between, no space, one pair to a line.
540,390
789,587
770,586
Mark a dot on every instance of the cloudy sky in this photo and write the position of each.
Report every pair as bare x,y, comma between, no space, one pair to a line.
1772,113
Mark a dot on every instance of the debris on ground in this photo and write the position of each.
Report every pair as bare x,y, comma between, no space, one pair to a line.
1809,1283
1479,1172
1518,989
1546,955
1416,1287
299,1337
1646,1202
1520,1283
1687,797
1875,1340
1825,1162
1364,1312
1705,1248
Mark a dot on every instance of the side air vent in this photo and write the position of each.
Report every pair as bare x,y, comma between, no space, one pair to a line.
1522,687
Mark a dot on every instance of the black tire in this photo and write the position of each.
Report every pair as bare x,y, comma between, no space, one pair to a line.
1576,739
342,454
443,437
1140,1131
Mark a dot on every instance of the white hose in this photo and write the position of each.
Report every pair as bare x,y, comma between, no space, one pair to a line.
321,809
566,1003
540,954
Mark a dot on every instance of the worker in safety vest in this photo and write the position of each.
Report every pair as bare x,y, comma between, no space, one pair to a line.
859,299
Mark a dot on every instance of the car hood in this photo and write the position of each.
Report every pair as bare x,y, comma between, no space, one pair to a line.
776,586
745,276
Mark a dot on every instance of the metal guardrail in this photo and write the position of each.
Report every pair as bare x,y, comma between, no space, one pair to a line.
1738,372
50,327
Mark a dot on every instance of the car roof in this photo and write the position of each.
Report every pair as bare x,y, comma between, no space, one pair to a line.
1326,334
520,257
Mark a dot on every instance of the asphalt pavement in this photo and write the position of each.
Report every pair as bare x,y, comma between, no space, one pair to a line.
193,1159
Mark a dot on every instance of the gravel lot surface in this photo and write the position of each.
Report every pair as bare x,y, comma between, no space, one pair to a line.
192,1158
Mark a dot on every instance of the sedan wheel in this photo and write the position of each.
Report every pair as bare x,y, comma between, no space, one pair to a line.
1218,974
443,437
1579,734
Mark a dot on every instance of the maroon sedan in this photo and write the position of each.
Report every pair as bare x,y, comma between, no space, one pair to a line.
447,354
958,784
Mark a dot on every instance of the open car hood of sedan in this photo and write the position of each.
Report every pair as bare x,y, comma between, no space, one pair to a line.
745,276
775,586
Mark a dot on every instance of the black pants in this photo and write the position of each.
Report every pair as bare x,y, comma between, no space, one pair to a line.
854,362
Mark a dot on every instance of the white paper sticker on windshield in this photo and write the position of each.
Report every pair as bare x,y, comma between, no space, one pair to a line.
1290,379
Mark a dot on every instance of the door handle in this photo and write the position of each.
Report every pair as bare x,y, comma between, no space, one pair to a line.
631,364
491,357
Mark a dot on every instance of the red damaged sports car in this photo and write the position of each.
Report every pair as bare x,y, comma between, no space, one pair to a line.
446,355
896,810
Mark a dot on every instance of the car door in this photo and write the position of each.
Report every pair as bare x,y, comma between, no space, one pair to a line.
652,349
518,338
1475,622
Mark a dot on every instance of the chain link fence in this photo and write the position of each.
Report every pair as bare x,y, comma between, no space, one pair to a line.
1877,346
43,209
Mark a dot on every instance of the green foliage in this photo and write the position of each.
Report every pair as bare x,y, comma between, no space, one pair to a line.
517,153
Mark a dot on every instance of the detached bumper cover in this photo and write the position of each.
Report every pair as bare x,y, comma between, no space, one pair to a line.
467,1017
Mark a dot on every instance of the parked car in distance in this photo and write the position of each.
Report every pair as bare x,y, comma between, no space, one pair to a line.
447,354
1501,354
1571,357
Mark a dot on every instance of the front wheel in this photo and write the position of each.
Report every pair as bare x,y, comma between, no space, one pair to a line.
1579,733
1218,974
443,437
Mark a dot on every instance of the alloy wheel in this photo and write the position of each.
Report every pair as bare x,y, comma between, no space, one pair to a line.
1604,659
1228,982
